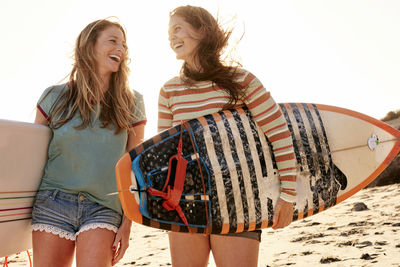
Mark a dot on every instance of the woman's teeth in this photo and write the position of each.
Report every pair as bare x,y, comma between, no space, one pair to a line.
115,58
178,46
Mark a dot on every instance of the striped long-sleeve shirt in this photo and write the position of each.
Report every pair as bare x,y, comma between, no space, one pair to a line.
179,101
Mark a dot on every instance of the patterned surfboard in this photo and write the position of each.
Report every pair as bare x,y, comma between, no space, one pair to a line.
231,182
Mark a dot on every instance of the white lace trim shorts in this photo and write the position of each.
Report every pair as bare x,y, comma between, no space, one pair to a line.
67,215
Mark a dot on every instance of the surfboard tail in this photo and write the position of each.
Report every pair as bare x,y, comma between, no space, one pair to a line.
381,141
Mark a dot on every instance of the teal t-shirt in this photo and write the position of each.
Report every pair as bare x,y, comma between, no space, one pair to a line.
83,161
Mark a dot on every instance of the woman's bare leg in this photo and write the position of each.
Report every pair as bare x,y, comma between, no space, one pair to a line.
50,250
189,249
94,248
234,251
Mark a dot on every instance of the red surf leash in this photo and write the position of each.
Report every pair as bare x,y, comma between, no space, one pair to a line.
172,194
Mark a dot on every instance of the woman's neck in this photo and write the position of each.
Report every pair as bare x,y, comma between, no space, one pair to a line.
193,65
105,82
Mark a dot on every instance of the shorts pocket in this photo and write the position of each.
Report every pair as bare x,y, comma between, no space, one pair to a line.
43,196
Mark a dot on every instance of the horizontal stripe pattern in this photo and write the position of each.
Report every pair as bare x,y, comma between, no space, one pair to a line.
15,206
180,102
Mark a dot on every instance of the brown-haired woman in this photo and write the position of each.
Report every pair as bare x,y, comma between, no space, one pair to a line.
95,118
207,85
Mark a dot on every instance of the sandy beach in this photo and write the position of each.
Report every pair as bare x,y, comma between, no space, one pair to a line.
363,230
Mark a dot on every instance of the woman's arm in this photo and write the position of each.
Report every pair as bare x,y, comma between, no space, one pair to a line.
121,241
40,118
165,116
269,117
135,136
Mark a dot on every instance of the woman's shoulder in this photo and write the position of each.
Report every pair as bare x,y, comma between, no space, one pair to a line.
57,89
244,72
54,91
244,77
50,97
136,94
138,100
174,82
138,107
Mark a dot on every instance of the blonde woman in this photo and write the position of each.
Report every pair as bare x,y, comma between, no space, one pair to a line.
95,118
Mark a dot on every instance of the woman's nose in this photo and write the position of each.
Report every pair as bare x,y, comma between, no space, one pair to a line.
121,47
171,36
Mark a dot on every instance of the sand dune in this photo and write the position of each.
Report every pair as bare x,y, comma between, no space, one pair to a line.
364,230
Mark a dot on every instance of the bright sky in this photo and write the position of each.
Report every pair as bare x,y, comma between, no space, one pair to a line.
343,53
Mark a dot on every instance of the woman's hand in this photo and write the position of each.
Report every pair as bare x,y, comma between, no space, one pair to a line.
283,214
121,241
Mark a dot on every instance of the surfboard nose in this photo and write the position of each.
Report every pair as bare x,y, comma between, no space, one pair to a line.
123,172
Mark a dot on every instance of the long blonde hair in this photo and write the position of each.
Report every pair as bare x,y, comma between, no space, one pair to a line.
84,87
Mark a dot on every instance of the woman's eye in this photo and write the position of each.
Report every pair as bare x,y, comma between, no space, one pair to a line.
113,41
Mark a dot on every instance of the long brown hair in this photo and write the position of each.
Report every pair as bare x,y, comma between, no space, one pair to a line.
209,51
84,86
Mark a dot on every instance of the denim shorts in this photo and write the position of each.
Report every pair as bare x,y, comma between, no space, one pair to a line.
67,215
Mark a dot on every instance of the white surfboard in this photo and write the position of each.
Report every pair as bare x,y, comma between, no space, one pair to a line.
23,154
